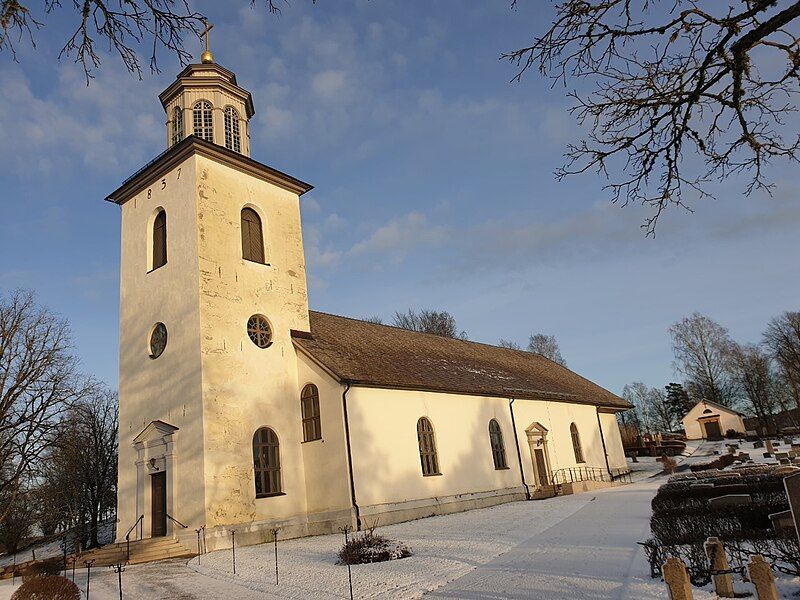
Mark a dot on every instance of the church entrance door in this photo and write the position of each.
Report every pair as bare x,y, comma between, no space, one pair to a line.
541,466
158,494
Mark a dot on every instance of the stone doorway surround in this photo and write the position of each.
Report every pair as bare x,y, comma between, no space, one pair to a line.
537,440
155,453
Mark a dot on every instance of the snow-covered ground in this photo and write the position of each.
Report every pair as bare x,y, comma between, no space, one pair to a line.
581,546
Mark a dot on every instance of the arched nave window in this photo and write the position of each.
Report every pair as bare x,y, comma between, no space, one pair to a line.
203,124
576,443
427,448
498,448
160,240
252,236
233,140
309,407
266,463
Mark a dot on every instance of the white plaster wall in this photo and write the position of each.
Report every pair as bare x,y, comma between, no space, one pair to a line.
246,387
169,387
556,417
613,437
727,420
325,460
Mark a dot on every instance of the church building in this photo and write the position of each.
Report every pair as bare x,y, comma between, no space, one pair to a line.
241,409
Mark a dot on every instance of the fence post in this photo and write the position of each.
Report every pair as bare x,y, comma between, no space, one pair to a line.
233,549
345,530
761,576
723,584
677,579
275,539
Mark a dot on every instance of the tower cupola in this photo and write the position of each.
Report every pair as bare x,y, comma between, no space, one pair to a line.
205,100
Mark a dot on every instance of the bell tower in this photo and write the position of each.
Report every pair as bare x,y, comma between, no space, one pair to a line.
212,283
205,101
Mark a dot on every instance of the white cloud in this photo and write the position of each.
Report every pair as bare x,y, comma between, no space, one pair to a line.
398,238
328,84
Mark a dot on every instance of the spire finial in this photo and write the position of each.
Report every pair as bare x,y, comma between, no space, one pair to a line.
207,57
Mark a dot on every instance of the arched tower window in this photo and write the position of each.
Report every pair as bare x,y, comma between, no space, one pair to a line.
267,463
309,407
177,125
233,140
576,443
160,240
203,125
252,236
498,448
427,448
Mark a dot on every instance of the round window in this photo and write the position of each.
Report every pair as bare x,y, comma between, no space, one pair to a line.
158,340
259,331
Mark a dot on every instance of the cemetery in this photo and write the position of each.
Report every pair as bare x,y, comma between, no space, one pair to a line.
729,524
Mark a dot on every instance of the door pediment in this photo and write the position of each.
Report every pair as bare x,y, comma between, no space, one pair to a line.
156,431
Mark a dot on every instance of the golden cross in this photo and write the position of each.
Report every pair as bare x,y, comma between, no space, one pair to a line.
205,32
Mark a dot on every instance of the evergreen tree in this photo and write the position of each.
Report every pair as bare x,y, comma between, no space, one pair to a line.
678,401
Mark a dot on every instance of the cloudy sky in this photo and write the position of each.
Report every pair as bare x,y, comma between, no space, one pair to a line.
433,187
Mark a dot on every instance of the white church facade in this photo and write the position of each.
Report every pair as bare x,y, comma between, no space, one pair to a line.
241,409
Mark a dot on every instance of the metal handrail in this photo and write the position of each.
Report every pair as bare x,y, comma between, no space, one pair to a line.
171,518
577,474
128,537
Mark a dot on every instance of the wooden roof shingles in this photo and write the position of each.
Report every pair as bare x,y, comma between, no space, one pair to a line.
369,354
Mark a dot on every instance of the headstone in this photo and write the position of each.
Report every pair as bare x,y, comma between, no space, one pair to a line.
743,456
729,500
758,444
770,447
723,584
788,441
795,446
785,461
677,579
792,485
761,576
767,454
782,521
731,449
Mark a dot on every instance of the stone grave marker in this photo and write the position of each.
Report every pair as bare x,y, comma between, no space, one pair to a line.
677,579
729,500
792,485
761,576
723,584
758,444
770,447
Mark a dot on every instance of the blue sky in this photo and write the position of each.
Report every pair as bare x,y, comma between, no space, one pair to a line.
433,187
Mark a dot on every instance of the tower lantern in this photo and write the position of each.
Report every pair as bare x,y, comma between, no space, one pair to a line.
205,100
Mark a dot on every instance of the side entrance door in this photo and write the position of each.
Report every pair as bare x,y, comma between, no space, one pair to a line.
713,430
541,466
158,495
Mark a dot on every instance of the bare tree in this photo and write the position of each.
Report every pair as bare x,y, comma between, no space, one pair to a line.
121,25
638,394
667,79
437,322
782,339
510,344
38,384
662,416
755,375
702,351
547,346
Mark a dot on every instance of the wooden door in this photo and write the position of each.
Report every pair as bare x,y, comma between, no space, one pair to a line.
158,494
713,430
541,466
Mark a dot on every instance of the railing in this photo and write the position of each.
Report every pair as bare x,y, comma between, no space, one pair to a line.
128,537
578,474
174,520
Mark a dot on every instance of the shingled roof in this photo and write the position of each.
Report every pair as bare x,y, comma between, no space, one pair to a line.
369,354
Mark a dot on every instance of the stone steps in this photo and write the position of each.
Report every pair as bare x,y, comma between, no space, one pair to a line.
142,551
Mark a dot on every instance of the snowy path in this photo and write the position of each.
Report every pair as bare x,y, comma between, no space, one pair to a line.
590,554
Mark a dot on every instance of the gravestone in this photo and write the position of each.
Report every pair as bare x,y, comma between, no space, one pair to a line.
723,584
767,454
788,441
761,576
743,456
758,444
785,461
792,485
729,500
770,447
731,449
677,579
782,521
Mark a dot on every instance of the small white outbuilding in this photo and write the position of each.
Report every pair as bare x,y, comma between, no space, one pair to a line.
709,420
